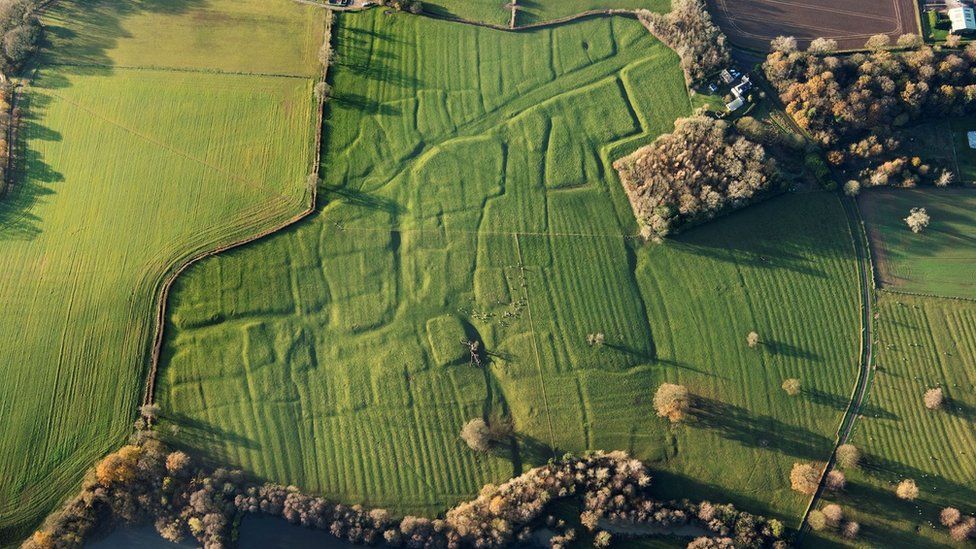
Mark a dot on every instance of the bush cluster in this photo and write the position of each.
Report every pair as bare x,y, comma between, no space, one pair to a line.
692,174
855,105
688,30
145,482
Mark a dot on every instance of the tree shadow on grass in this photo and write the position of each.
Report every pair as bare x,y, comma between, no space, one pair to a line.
363,104
740,425
361,199
195,433
33,178
789,350
841,403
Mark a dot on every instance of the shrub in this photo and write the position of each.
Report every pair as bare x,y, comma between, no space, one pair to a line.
907,490
672,401
791,386
933,398
805,477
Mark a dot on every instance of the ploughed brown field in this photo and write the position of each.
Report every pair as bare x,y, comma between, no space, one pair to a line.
753,23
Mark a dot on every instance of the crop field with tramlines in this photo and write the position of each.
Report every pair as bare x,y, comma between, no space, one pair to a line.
922,343
941,260
468,194
137,155
532,11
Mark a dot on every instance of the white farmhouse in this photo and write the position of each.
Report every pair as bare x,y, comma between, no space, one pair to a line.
963,19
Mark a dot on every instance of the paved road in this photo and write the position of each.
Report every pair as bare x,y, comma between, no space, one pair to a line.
864,375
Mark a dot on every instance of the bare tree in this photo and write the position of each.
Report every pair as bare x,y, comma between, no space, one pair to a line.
965,528
945,179
477,435
672,401
835,481
907,489
909,41
791,386
834,515
933,398
949,516
822,46
878,42
752,339
850,529
917,219
852,187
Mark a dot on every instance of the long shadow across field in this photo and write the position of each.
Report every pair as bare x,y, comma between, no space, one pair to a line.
739,424
34,179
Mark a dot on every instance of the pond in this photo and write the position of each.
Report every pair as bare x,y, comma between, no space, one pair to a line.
256,532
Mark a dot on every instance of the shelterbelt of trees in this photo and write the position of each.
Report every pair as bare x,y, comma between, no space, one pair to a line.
146,481
854,105
20,32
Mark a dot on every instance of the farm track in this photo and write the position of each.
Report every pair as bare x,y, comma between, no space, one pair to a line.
866,278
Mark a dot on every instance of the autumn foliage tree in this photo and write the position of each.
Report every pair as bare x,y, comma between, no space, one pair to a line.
855,106
848,456
805,477
907,489
672,401
688,30
693,173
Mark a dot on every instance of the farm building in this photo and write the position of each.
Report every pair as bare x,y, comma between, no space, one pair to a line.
963,19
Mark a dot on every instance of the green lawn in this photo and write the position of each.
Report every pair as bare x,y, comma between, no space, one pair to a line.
532,11
128,172
921,343
941,260
468,193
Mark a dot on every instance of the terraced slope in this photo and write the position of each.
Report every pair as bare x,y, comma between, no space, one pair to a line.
468,194
922,343
128,172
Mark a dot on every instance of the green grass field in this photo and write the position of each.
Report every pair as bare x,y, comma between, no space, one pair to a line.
468,193
921,343
128,171
532,11
941,260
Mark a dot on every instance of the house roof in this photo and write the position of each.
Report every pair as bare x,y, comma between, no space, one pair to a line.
962,18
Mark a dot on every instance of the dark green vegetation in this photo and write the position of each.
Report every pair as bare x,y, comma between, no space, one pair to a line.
921,343
468,194
129,170
940,260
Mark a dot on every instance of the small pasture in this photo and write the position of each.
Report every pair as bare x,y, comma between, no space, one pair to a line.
941,260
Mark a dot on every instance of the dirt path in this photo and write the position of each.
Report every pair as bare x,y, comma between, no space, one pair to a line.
865,276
